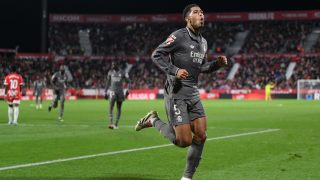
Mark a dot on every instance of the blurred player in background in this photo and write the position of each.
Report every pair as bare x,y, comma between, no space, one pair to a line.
268,88
38,87
183,57
13,86
114,91
59,83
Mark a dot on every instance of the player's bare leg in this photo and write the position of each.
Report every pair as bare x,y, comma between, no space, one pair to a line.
198,127
180,135
183,135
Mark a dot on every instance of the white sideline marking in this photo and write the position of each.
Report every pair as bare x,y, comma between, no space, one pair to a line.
58,124
127,151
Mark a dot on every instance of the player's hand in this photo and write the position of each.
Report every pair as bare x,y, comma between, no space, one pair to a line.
23,92
222,61
182,74
8,98
106,96
126,94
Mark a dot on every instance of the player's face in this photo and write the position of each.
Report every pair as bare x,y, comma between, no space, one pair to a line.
62,70
114,66
196,17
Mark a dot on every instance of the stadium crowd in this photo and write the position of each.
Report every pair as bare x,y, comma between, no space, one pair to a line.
254,72
307,68
139,39
132,39
316,47
277,36
142,38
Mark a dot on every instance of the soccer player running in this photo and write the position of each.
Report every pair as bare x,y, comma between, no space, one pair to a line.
182,57
38,87
13,85
59,83
115,93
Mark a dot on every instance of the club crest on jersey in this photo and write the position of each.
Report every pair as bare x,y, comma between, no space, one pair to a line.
170,39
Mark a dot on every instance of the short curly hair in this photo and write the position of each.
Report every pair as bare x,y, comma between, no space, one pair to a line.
187,9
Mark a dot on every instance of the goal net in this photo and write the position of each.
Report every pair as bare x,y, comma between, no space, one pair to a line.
308,89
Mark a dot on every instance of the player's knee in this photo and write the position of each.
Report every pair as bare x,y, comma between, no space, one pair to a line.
183,142
203,139
200,137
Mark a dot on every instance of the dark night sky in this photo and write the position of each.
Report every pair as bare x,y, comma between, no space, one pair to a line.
21,19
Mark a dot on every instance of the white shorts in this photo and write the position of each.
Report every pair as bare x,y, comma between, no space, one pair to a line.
14,102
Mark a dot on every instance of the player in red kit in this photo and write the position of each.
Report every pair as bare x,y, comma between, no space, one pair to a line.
13,83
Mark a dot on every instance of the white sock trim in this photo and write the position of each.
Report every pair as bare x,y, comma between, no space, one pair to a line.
15,114
10,114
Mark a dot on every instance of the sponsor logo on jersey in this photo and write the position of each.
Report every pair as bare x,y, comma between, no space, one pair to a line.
116,79
12,93
197,57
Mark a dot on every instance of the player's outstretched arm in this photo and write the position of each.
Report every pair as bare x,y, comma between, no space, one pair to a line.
53,81
34,87
106,89
23,90
208,67
5,89
127,79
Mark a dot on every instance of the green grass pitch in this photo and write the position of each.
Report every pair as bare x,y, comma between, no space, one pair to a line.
290,151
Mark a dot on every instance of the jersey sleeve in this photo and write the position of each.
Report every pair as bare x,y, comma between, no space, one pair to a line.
208,66
108,81
21,81
53,81
53,78
6,81
161,54
127,79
